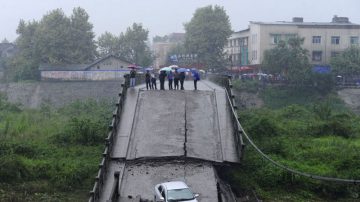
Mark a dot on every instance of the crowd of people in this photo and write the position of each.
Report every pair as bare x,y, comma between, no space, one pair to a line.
175,79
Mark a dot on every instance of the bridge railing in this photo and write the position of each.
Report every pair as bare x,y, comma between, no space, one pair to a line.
109,142
225,81
103,166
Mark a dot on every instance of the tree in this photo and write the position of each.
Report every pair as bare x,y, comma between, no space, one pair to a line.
108,44
130,45
134,42
5,41
290,59
84,50
347,63
55,39
24,65
207,34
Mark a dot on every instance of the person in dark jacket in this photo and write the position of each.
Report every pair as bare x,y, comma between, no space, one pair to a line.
148,80
153,82
176,79
182,79
170,77
162,77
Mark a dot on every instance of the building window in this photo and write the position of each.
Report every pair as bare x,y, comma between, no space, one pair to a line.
354,40
316,56
316,39
254,38
335,40
275,38
289,36
334,53
254,55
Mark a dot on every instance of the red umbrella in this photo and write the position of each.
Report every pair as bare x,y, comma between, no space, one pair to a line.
243,68
132,66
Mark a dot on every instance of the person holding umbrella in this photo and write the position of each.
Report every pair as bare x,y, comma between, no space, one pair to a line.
196,77
132,77
162,77
153,82
176,79
148,80
170,77
182,77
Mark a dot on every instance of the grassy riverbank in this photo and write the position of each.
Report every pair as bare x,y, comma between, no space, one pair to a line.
50,154
307,131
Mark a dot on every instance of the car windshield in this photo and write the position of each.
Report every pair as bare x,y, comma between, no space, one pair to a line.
180,194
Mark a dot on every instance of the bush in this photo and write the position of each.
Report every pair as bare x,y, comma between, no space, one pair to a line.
82,130
250,86
13,169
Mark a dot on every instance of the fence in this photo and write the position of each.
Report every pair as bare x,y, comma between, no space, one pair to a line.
225,81
112,130
103,166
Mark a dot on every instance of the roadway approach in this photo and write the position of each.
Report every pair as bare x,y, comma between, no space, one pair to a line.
172,135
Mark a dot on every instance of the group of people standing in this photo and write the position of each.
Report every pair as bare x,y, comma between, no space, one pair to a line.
174,78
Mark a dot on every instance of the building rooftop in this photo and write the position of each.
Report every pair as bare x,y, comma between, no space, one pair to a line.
305,23
299,21
75,67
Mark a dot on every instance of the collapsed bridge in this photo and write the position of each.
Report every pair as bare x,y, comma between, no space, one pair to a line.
158,136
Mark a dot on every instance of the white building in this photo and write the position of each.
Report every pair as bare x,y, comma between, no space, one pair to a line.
323,39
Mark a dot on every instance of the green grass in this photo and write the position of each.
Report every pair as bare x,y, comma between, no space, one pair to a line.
307,131
51,154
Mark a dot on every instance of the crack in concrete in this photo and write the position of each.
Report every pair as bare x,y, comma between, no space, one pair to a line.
185,150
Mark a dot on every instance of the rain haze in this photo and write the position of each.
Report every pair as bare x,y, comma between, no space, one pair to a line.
162,17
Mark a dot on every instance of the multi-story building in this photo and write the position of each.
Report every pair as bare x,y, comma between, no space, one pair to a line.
323,40
163,45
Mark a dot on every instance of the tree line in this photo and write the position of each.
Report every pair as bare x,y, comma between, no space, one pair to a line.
59,39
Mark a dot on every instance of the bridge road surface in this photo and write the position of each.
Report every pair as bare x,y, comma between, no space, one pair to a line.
172,124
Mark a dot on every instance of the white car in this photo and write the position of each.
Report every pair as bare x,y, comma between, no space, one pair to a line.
174,191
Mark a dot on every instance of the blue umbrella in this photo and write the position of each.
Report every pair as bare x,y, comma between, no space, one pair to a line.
193,70
149,69
167,69
182,70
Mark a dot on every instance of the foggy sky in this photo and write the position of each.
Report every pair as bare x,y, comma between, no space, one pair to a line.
162,17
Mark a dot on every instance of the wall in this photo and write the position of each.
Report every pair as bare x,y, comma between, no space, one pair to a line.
96,75
32,95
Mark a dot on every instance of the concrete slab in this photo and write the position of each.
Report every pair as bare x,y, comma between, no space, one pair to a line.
125,126
159,125
225,124
203,138
140,178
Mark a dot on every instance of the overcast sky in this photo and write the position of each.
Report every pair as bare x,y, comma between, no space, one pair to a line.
162,17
